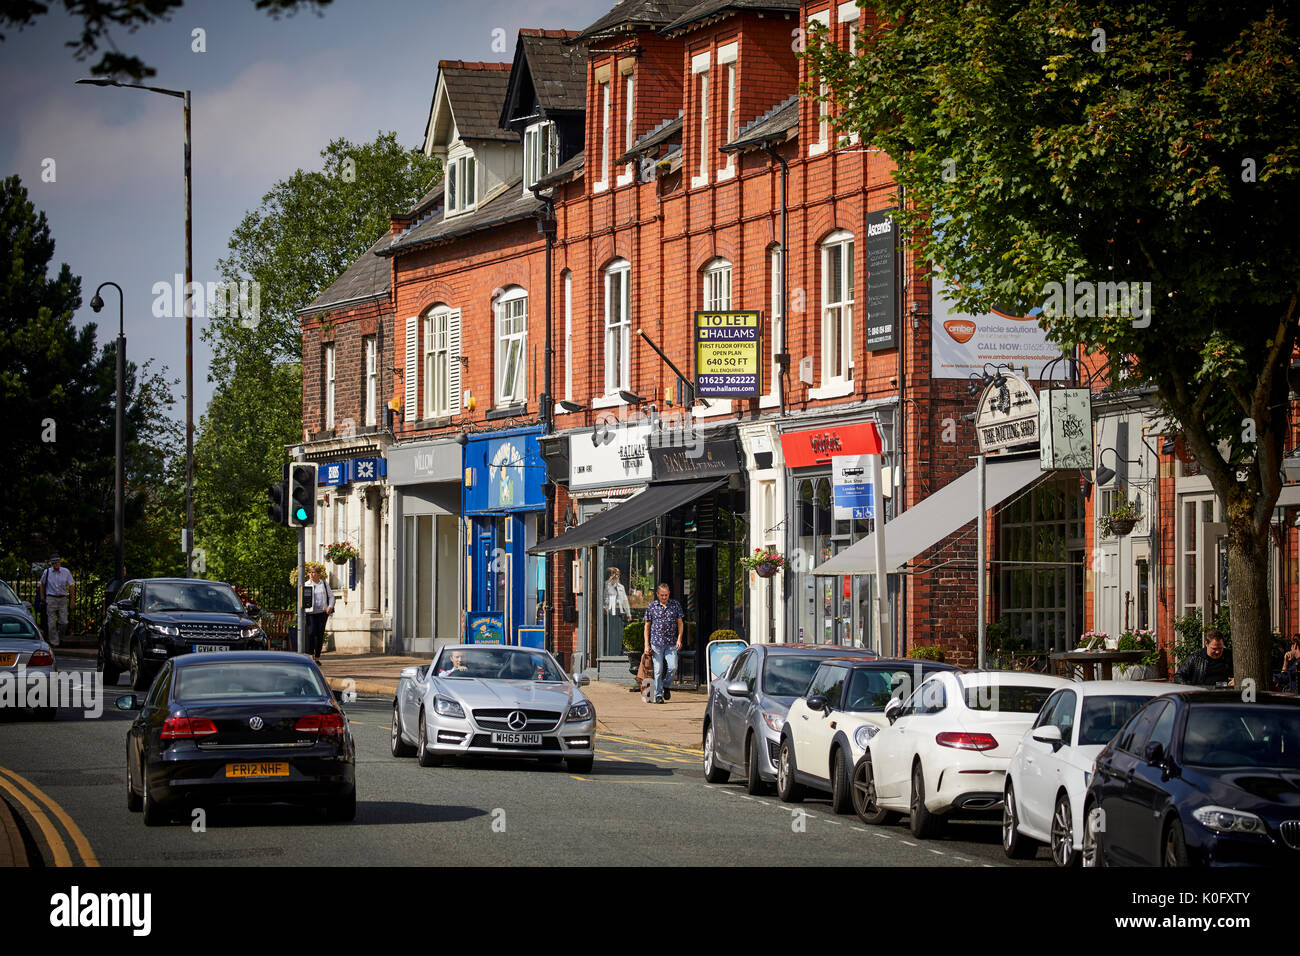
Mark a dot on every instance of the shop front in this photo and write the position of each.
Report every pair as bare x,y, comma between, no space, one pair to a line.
505,514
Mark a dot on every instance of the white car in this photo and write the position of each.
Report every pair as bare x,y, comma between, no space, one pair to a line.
946,749
826,731
25,660
1049,774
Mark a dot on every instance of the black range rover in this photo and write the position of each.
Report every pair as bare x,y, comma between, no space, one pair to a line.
158,618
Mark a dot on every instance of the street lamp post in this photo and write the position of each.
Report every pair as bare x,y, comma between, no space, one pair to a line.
97,304
183,95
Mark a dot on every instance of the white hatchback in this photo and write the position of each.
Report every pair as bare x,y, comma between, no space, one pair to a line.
1049,774
946,749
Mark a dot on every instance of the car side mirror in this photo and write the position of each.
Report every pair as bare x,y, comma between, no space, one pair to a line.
818,702
1155,754
124,605
408,673
1049,734
581,680
738,688
129,702
893,709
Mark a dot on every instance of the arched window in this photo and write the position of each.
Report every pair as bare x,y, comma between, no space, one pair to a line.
512,347
441,361
717,286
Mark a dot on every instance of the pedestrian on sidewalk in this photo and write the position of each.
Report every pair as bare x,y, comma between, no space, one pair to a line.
663,637
322,606
57,591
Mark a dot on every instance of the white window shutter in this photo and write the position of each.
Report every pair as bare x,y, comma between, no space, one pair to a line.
412,365
453,362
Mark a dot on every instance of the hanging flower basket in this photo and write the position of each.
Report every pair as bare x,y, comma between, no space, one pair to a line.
341,553
1122,526
764,562
766,569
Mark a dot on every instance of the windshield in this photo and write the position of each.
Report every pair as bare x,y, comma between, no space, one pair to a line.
1236,735
191,596
1103,717
785,675
17,629
1007,698
7,595
500,663
286,679
871,688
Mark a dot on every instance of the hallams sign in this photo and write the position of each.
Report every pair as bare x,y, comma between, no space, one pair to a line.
728,354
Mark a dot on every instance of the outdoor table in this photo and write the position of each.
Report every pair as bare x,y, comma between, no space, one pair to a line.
1104,658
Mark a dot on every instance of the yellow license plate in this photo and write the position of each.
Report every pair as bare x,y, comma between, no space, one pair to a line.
257,770
7,660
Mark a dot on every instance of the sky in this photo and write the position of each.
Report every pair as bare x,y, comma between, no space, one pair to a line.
268,95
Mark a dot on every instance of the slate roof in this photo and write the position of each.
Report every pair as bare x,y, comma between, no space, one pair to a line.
368,276
707,9
430,199
780,122
655,137
509,205
558,68
565,172
628,15
476,92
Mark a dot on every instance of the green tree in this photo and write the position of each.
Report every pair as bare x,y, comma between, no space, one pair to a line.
1152,142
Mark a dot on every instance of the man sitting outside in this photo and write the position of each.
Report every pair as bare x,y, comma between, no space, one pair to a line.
1209,666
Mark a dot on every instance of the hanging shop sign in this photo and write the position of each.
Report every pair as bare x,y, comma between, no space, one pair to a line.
1007,415
882,296
1065,427
852,494
728,354
818,446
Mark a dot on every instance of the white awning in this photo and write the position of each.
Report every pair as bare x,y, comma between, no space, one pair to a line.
938,516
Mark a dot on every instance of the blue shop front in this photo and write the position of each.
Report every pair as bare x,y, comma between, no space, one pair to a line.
505,515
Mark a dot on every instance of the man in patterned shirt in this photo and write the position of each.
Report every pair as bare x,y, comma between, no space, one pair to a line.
663,636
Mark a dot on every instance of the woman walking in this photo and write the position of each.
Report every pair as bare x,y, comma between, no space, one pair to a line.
322,606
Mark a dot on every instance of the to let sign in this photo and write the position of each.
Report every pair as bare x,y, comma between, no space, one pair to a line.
728,354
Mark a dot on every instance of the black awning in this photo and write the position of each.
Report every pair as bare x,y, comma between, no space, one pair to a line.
654,501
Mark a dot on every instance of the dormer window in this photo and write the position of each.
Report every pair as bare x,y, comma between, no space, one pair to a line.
629,121
461,187
604,133
541,152
700,72
731,120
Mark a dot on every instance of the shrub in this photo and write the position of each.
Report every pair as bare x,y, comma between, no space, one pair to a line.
724,634
927,652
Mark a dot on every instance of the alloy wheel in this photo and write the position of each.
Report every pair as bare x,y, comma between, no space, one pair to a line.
1063,834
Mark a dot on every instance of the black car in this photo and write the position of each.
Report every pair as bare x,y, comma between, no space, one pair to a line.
238,728
154,619
1199,778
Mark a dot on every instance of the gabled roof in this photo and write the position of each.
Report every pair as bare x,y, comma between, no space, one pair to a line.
631,15
551,68
368,277
779,123
705,11
474,94
655,137
510,204
566,172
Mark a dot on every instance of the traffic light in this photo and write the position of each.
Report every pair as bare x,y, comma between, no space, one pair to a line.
302,495
278,496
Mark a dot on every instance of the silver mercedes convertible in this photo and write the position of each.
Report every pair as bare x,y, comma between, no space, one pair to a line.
493,701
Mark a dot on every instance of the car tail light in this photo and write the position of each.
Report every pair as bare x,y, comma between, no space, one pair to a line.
187,728
964,741
320,724
41,659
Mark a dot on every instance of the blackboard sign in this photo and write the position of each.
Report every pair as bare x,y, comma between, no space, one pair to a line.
882,311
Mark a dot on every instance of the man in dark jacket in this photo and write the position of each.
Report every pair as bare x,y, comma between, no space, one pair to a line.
1209,666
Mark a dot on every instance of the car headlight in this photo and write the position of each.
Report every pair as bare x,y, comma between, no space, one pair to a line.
446,707
579,711
1223,820
862,736
247,632
773,720
165,629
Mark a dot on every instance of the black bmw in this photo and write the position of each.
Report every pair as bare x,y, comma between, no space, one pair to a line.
238,728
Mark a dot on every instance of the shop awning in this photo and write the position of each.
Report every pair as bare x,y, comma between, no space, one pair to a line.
936,517
654,501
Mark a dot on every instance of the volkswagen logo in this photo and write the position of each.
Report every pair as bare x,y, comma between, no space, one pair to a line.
255,723
517,720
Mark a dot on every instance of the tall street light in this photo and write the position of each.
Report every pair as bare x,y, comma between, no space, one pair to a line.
96,305
183,95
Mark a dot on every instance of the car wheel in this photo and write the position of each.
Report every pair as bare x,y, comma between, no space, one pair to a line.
1175,854
139,679
154,814
133,800
1091,855
399,747
104,664
1015,845
579,764
422,754
1063,834
712,772
924,823
864,795
841,786
786,788
344,809
754,783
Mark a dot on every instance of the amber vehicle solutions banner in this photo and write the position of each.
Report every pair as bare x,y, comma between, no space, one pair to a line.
963,344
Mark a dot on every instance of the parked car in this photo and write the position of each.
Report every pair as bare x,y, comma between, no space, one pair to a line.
748,704
259,727
1048,775
9,599
23,649
946,749
827,730
1199,778
155,619
493,701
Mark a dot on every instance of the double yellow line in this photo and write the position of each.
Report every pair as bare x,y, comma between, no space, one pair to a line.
40,806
